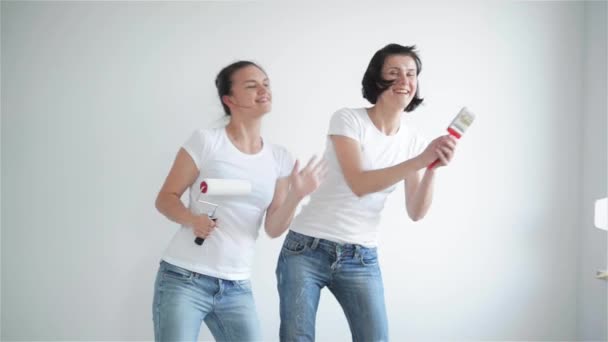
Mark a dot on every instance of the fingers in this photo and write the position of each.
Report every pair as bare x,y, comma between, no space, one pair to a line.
204,233
296,168
313,166
320,171
319,167
443,159
310,164
444,147
323,170
444,154
447,140
204,226
451,142
310,177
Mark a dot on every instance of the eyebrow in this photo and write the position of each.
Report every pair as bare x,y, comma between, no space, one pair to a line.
254,81
398,68
406,70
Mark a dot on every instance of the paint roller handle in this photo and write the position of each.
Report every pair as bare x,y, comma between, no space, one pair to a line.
199,240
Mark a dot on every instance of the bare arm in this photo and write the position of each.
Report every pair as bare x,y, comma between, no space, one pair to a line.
281,209
289,191
419,193
168,202
348,152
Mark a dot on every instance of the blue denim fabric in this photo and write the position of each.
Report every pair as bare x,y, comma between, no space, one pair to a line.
350,272
183,299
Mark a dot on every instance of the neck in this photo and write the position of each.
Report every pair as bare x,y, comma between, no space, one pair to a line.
386,118
245,134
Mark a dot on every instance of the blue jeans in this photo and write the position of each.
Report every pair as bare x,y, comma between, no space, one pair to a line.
183,299
350,272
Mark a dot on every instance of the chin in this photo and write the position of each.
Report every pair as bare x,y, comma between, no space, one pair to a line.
403,103
264,110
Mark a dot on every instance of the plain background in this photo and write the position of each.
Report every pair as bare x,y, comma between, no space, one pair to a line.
98,97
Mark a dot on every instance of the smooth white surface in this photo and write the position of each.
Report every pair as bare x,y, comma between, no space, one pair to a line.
592,301
97,98
600,216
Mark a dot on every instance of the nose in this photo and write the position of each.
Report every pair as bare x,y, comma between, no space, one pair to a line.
263,90
401,78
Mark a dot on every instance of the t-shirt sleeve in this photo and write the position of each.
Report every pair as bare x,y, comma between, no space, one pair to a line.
198,147
284,161
344,122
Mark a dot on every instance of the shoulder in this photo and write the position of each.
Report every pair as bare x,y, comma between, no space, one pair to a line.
349,113
203,141
208,136
211,133
353,118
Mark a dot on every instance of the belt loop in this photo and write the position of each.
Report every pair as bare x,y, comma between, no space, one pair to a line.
220,284
357,251
315,243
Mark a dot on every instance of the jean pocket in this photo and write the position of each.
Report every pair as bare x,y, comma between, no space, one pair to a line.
175,272
292,246
368,256
244,285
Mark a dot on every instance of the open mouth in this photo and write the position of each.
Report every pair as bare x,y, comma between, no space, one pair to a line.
263,100
401,91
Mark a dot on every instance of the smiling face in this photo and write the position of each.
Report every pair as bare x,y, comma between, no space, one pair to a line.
402,72
250,92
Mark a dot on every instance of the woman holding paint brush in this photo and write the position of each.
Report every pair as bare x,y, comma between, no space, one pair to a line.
332,242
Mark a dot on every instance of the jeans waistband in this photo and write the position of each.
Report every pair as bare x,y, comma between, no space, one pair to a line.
314,242
164,265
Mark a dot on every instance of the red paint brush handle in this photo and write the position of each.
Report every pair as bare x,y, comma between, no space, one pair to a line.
453,133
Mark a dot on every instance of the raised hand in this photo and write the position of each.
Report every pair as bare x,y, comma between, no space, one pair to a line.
305,181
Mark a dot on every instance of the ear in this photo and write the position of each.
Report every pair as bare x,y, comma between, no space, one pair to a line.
227,100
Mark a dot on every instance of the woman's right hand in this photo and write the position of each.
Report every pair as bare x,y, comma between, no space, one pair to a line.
430,153
202,225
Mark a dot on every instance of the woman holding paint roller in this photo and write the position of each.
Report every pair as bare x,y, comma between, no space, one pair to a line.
210,282
332,242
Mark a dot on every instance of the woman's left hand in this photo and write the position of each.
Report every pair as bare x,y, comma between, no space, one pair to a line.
305,181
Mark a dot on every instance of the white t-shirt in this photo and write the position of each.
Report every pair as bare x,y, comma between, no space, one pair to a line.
334,212
228,251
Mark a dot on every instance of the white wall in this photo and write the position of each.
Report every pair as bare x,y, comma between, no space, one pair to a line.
98,97
593,294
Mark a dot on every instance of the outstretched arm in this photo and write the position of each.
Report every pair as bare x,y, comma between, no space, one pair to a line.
363,182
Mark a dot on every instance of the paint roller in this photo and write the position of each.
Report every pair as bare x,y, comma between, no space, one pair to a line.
219,187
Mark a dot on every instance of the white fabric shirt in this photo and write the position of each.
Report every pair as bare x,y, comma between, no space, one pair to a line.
228,251
334,212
